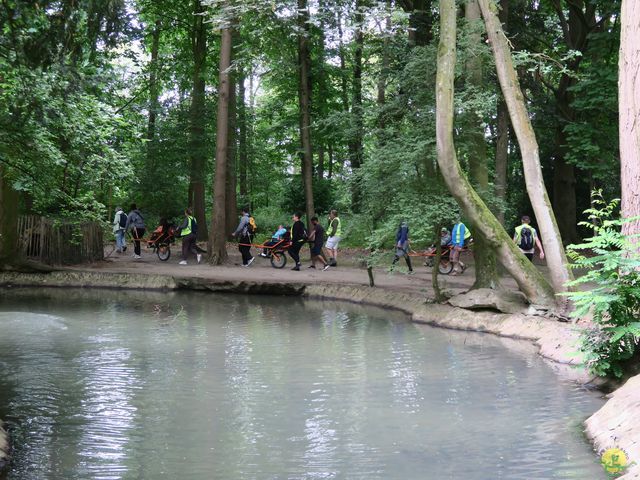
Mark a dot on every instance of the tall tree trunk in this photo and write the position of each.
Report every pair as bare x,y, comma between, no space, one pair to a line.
232,150
321,86
564,191
502,158
218,236
197,141
330,172
242,139
485,258
356,142
629,101
529,279
384,63
502,135
304,97
8,221
320,168
344,83
154,104
576,32
551,239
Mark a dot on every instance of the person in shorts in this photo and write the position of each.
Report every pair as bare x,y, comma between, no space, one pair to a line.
317,239
526,237
335,234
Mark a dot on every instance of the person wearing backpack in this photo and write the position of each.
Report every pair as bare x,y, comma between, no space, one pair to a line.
188,233
402,246
460,238
119,225
527,239
298,237
244,233
135,224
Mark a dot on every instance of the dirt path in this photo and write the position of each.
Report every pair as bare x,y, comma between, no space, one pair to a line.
348,272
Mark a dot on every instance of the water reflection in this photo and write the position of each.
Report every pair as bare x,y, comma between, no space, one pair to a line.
230,387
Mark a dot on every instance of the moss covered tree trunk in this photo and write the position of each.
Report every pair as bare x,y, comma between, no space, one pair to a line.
218,234
529,279
629,88
8,221
485,258
550,234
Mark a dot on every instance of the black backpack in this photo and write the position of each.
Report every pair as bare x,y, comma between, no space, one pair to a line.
123,220
526,238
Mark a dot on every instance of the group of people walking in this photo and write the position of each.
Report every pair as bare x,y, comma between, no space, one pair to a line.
133,224
525,237
298,236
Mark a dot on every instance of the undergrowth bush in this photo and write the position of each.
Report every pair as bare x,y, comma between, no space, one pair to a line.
612,265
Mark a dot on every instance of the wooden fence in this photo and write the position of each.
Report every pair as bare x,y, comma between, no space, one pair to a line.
59,243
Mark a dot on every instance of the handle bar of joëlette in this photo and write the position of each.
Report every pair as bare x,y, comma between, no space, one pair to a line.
281,245
445,250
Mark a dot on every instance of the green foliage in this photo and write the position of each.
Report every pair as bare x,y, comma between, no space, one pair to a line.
612,297
293,198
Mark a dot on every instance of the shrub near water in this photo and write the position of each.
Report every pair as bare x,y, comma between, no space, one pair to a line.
613,269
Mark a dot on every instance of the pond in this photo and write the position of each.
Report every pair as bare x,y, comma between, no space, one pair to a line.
122,385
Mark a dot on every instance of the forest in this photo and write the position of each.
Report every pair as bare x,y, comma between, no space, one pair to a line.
384,110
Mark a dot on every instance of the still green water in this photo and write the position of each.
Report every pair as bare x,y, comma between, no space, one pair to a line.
121,385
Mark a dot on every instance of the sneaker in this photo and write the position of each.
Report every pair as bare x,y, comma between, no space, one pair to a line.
250,261
182,262
124,249
198,257
245,266
296,268
326,267
411,272
136,256
311,266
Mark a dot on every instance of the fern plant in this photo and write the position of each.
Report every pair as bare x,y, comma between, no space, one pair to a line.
609,289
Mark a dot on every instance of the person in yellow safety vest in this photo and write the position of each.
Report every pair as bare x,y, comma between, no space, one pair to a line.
527,239
334,235
460,236
188,232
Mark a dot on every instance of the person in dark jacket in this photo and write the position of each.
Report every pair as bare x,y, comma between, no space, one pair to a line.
298,237
189,232
244,238
402,245
317,239
135,224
